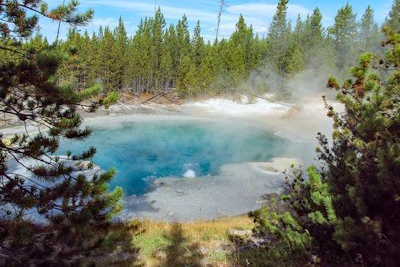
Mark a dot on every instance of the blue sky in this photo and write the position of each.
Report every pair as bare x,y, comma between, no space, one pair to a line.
258,13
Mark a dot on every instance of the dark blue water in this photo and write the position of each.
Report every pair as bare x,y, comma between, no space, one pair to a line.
143,151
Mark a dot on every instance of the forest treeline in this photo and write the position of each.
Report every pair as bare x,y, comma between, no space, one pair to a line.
161,57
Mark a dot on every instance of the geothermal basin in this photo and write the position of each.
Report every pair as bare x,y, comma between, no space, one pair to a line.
184,168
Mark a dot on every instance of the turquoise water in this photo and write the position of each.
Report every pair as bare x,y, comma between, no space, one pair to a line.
147,150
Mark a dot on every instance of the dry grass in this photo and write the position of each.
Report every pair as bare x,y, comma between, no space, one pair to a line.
202,243
202,230
195,244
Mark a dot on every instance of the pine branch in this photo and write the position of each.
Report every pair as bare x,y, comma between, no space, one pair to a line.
34,10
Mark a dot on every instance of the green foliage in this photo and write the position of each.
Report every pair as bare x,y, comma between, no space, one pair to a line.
74,210
369,32
310,203
278,39
89,92
19,22
349,209
111,99
344,34
362,163
320,197
164,58
283,226
393,20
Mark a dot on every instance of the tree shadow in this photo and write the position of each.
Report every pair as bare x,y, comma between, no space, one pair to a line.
181,252
116,249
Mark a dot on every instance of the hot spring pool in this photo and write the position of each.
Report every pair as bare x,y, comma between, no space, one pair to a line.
147,149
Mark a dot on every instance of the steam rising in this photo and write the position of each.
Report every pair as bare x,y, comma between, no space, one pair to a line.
146,147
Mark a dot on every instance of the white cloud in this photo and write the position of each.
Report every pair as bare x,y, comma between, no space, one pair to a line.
207,19
257,14
226,29
110,22
147,9
267,10
253,9
262,30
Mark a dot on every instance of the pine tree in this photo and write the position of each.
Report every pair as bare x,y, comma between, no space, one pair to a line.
75,210
183,59
108,61
295,59
198,46
344,33
320,55
166,65
194,75
87,57
205,71
157,49
299,29
348,211
369,32
278,35
363,163
311,35
74,69
91,50
393,21
310,49
243,41
315,28
171,44
121,42
216,65
139,65
94,71
260,51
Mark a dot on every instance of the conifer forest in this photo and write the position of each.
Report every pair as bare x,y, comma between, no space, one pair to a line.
161,57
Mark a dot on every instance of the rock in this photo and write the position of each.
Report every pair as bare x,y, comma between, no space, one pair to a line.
271,169
159,183
258,241
83,165
236,234
160,255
